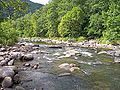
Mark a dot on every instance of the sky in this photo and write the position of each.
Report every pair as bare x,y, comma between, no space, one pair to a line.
40,1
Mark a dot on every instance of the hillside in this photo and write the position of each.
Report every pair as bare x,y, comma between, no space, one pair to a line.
33,6
29,7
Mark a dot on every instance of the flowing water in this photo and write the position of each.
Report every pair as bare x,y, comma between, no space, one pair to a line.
97,71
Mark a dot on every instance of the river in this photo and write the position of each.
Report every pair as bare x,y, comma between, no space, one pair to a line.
97,71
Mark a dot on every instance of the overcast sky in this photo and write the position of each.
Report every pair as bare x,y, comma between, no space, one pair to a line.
40,1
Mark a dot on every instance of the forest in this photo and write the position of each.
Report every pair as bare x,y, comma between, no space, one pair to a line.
67,19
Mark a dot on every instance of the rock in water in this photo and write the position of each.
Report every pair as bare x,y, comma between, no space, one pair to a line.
7,82
65,66
28,57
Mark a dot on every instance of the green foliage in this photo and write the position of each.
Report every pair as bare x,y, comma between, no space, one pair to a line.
52,21
96,26
70,25
112,23
26,26
8,34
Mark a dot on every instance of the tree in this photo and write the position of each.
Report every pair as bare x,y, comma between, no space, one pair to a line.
71,23
52,22
96,26
112,22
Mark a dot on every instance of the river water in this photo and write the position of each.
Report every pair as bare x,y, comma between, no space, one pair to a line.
97,71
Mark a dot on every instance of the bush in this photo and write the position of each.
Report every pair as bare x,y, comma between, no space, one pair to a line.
8,35
71,23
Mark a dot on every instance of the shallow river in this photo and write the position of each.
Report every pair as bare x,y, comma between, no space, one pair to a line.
97,71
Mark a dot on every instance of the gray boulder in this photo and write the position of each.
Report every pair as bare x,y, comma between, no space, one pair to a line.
6,72
7,82
27,57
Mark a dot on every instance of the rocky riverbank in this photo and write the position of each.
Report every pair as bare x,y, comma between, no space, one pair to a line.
86,43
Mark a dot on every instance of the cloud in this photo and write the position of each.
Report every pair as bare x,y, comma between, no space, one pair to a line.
40,1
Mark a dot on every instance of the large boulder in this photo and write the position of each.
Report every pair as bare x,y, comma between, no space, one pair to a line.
7,82
27,57
7,72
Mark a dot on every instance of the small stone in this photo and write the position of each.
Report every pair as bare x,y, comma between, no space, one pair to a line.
72,65
11,62
2,49
1,58
7,82
74,68
2,53
35,66
27,65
